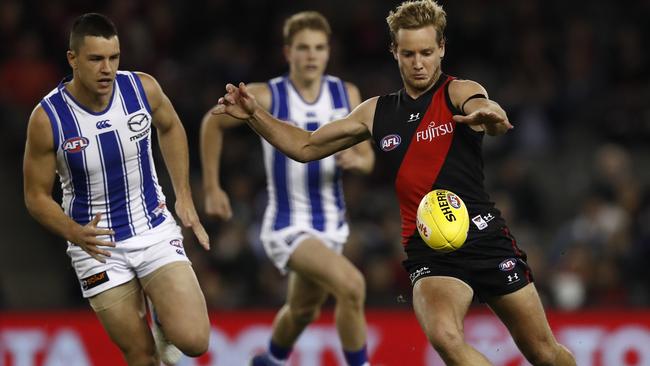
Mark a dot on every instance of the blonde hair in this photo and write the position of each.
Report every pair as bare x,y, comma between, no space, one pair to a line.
304,20
415,14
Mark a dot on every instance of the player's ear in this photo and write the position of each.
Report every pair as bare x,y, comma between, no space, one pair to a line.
442,48
72,59
393,50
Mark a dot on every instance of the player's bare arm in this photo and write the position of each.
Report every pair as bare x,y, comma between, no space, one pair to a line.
213,126
173,145
39,170
359,158
298,144
480,112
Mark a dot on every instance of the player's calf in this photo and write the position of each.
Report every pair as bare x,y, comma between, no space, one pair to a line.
549,354
303,315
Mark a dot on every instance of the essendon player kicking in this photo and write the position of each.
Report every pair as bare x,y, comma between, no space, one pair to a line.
430,134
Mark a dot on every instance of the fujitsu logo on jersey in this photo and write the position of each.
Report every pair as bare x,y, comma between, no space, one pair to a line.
390,142
74,144
432,131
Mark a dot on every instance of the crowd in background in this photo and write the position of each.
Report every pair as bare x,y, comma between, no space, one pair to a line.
572,179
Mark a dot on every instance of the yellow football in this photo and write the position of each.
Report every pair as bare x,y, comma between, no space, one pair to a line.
442,220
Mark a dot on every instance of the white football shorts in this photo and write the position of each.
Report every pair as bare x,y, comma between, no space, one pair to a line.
279,245
136,256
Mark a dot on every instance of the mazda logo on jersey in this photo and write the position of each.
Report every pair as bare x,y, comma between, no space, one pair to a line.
390,142
138,122
74,144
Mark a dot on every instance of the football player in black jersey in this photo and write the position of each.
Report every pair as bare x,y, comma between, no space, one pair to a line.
429,134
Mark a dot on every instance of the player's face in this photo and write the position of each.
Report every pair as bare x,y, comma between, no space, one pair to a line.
95,63
418,56
308,54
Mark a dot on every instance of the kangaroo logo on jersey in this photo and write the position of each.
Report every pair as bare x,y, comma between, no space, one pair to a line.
138,122
432,131
103,124
390,142
74,144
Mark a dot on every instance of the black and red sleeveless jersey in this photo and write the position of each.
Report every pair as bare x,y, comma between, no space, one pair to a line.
424,149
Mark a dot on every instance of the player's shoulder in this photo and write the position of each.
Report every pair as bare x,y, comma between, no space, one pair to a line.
259,89
366,110
39,115
152,89
39,126
261,92
461,87
149,83
351,88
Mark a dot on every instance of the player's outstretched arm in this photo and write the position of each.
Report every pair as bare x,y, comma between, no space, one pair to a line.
213,126
39,170
173,145
295,142
472,99
359,158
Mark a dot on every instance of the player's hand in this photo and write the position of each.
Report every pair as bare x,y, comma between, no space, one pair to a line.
487,118
85,237
237,102
349,159
217,204
190,219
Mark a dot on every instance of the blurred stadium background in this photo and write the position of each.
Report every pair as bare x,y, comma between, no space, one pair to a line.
572,179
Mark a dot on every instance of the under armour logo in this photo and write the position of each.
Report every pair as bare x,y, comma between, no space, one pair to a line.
103,124
414,117
513,278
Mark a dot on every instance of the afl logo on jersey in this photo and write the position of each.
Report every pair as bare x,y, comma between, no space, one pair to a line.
138,122
74,144
390,142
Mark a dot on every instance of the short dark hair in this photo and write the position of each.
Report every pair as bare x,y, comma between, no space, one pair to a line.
90,24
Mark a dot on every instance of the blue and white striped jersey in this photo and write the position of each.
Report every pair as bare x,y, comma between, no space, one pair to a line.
305,196
104,159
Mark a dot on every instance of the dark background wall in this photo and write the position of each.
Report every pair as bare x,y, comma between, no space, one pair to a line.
572,178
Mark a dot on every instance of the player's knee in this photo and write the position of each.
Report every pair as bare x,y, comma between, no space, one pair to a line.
304,315
194,344
352,291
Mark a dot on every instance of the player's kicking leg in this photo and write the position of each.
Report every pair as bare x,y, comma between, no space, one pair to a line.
440,305
523,314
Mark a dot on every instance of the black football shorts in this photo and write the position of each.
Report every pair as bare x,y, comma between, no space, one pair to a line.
491,264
